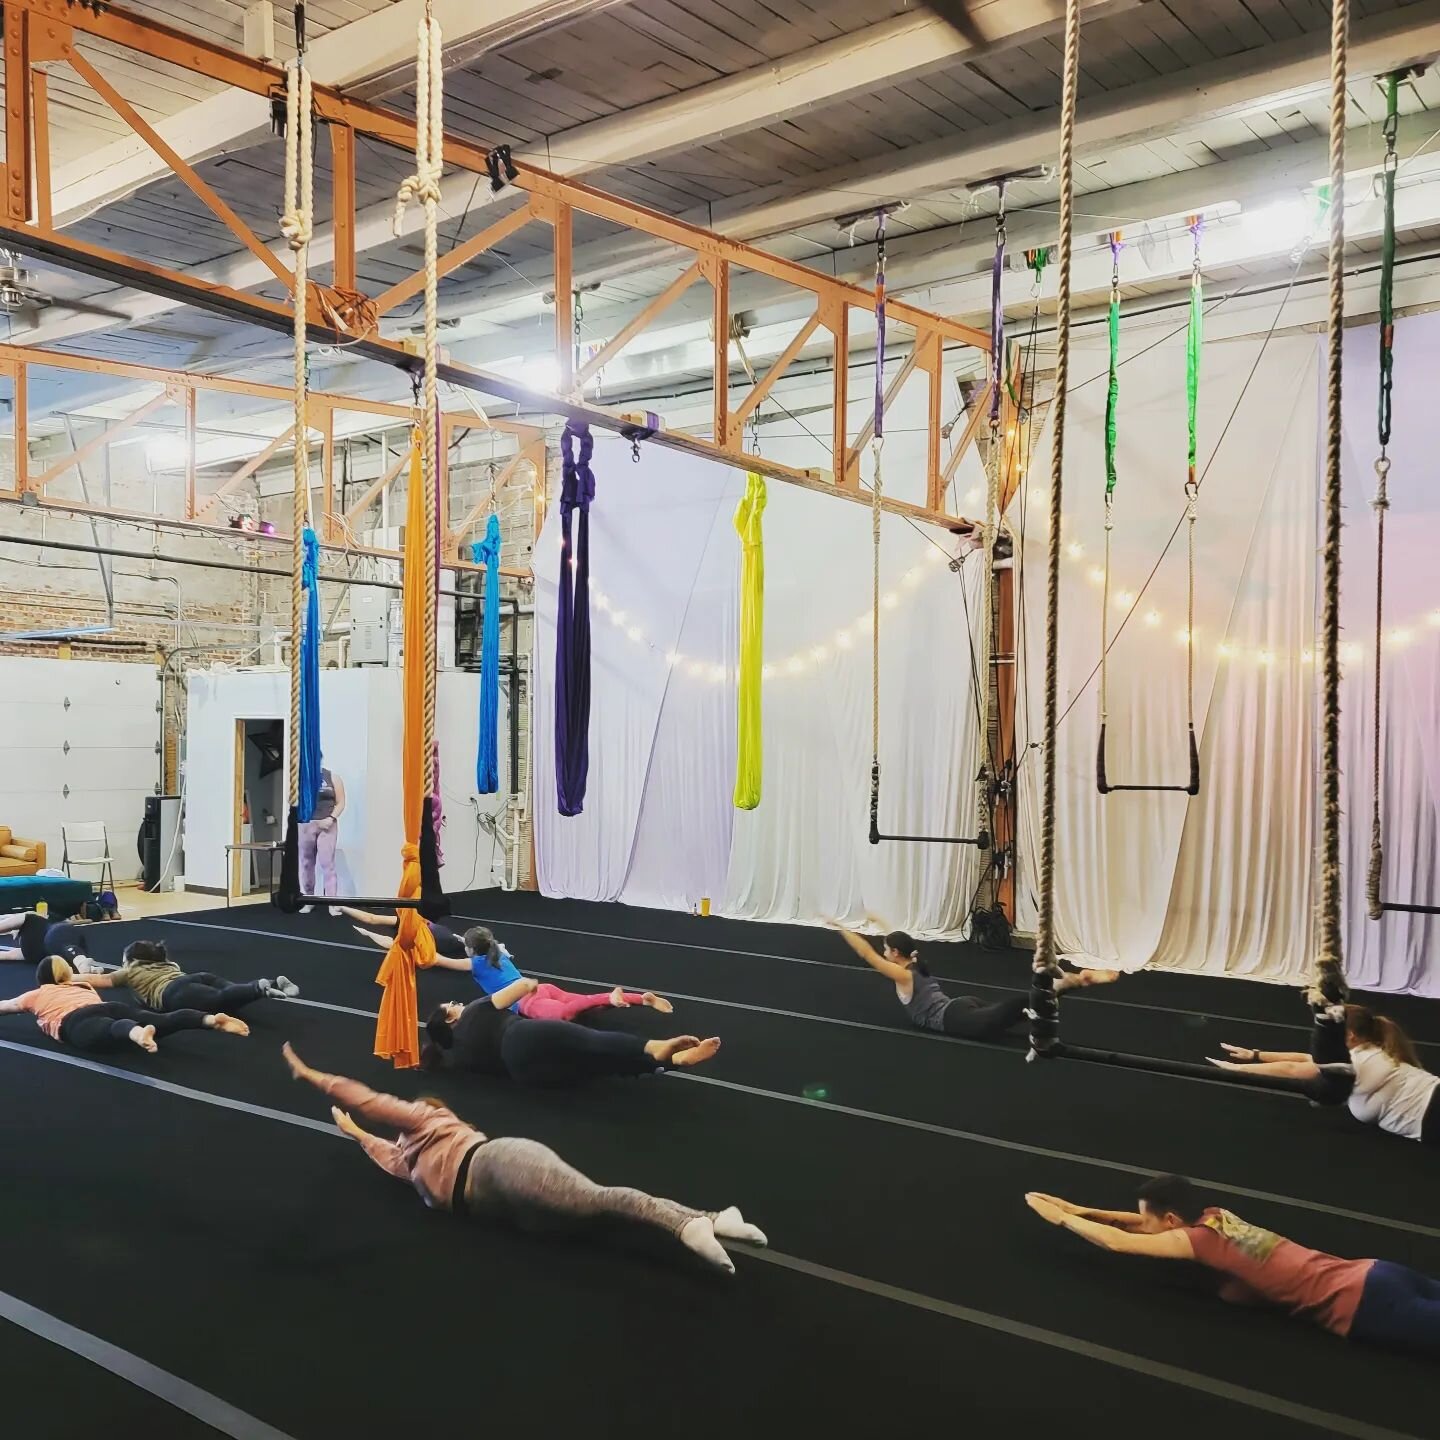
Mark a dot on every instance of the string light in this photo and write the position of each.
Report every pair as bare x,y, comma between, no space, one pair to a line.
1225,649
1352,651
795,665
672,658
1265,657
1401,638
889,599
635,633
1152,618
1434,618
1097,575
1075,549
842,640
1124,600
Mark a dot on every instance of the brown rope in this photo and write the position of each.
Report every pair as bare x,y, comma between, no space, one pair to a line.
1046,958
1330,964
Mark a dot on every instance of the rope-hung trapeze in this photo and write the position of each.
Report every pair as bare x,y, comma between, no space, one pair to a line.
1329,993
1193,341
877,493
486,552
1377,905
750,527
572,622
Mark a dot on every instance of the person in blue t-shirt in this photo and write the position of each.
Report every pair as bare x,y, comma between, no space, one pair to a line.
493,969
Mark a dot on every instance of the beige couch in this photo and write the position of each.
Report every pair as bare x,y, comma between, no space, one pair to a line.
20,857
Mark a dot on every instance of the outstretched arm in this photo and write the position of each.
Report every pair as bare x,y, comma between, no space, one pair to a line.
385,1153
504,999
1302,1067
352,1095
1246,1056
368,917
9,924
1120,1219
866,951
450,962
1168,1245
12,1007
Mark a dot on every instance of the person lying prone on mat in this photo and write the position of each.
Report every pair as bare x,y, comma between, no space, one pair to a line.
160,984
37,936
1390,1087
488,1037
928,1007
491,966
68,1010
455,1167
1373,1301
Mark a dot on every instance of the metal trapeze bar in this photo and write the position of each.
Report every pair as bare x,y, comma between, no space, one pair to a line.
980,841
1400,909
1102,779
1157,1065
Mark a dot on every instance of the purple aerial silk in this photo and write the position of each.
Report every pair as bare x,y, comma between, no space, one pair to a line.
572,625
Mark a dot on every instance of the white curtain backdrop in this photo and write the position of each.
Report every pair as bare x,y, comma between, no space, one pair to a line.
1226,883
1400,952
1221,884
659,827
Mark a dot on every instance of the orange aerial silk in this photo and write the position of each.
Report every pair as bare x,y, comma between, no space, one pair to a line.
398,1024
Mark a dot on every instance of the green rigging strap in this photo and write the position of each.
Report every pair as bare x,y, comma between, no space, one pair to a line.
1112,396
1387,259
1193,339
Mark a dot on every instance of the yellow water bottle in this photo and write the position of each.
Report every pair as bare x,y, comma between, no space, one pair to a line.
42,907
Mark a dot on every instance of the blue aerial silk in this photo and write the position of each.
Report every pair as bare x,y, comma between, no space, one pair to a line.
487,757
310,680
572,623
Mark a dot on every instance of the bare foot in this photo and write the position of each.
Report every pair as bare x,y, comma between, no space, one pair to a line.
617,997
663,1050
1083,979
698,1054
229,1024
144,1037
658,1003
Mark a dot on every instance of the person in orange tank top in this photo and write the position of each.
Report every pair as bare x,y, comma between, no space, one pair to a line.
1373,1301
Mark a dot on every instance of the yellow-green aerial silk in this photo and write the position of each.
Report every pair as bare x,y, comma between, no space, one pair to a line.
748,526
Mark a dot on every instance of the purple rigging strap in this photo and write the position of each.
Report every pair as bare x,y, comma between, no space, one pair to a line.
997,313
880,324
572,626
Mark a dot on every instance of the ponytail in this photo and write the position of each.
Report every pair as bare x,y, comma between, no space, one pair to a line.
1383,1033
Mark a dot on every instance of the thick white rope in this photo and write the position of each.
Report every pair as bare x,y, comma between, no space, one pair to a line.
424,186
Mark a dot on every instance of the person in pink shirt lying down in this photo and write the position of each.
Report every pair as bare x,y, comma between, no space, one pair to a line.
455,1167
1373,1301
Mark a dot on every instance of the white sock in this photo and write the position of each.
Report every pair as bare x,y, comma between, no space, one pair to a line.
283,985
730,1224
699,1235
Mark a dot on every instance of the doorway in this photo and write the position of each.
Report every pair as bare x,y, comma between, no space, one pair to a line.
259,803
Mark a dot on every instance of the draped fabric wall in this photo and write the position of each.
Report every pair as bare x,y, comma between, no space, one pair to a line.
1401,952
1220,884
659,827
1225,884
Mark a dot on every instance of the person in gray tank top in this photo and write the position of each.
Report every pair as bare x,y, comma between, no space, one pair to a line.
928,1007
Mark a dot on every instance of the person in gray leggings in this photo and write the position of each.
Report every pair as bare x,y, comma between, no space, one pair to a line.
456,1167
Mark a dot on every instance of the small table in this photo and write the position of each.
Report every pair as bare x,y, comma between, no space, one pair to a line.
250,847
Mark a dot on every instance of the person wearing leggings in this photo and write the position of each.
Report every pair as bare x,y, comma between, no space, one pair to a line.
68,1010
457,1168
478,954
928,1007
160,984
37,936
488,1038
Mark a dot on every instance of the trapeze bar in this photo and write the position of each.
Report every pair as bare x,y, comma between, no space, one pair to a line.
1398,908
1156,1065
980,841
1102,780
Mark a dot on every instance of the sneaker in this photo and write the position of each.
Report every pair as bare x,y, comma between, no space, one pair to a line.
283,985
306,909
336,911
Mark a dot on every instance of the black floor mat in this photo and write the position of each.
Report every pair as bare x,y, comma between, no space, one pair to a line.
274,1267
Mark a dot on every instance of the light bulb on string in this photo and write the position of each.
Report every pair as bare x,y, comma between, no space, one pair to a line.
1152,618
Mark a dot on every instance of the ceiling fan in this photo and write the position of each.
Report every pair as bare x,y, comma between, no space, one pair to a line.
23,300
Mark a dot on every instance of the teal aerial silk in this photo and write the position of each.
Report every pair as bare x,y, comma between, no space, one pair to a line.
748,518
309,679
487,756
